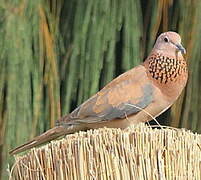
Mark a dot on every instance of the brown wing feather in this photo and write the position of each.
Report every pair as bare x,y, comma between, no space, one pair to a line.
132,87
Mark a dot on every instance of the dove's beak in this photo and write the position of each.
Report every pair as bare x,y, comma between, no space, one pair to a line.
181,48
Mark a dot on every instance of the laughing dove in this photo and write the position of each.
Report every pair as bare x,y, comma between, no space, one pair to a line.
136,96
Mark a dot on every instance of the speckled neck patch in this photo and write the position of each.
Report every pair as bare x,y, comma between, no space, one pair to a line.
165,69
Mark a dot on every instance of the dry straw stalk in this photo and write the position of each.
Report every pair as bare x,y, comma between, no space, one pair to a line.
139,152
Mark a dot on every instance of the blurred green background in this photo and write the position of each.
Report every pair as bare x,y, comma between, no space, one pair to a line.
55,54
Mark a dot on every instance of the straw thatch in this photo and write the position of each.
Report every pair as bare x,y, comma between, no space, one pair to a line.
138,152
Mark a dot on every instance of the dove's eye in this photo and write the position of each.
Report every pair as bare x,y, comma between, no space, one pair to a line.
166,39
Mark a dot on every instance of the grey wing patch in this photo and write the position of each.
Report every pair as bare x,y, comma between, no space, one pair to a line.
128,108
114,112
82,114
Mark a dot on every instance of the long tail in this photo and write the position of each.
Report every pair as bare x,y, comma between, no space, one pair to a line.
43,138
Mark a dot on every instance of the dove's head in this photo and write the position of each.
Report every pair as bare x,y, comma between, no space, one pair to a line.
169,42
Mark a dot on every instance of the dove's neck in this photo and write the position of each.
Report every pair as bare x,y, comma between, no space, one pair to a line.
166,70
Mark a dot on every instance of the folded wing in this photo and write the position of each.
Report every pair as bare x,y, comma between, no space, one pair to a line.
124,96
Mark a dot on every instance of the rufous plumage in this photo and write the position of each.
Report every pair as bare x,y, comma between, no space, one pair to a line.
136,96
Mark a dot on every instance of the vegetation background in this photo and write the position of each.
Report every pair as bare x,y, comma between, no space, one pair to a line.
55,54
